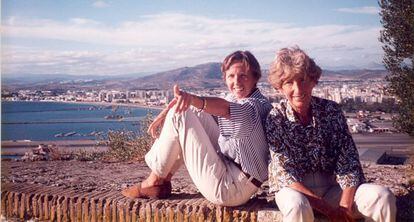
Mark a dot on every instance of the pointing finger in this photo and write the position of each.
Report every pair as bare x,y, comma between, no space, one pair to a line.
177,91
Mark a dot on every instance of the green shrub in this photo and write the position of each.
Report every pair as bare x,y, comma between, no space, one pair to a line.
88,155
127,145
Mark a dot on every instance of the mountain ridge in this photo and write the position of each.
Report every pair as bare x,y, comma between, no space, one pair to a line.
202,76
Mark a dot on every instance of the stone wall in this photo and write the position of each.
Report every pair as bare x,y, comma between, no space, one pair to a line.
26,201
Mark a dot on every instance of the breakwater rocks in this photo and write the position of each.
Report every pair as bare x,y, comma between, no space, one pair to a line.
72,190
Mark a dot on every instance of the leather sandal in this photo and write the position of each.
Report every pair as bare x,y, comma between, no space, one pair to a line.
162,191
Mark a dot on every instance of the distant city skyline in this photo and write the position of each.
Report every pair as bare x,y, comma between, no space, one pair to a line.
123,37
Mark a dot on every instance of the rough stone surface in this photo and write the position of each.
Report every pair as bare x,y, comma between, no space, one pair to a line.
86,176
100,183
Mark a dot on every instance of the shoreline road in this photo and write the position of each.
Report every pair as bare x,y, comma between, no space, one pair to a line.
22,146
391,143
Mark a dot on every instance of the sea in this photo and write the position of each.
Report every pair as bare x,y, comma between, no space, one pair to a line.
44,121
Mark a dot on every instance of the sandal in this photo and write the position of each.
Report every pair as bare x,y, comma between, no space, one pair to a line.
162,191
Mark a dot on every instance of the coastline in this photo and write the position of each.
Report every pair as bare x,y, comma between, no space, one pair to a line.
96,104
114,104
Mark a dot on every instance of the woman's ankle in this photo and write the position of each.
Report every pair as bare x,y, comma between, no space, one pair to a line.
153,180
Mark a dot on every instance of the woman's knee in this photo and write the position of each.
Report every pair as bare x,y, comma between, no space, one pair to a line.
376,194
293,202
387,198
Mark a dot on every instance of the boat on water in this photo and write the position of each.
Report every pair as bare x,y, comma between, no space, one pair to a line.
22,140
69,134
65,134
59,135
95,133
114,116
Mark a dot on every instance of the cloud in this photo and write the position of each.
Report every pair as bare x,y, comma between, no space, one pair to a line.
100,4
170,40
83,21
360,10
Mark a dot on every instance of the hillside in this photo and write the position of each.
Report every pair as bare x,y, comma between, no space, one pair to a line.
202,76
358,74
209,76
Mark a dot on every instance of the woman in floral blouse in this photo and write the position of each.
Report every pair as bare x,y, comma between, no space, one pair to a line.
314,161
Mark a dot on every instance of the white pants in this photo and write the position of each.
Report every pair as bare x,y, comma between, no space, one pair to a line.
191,138
371,202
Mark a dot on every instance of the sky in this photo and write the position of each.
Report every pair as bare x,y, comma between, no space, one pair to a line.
109,37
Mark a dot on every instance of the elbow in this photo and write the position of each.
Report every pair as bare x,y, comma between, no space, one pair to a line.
226,115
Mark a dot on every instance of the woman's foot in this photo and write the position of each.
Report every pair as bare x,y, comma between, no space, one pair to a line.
139,190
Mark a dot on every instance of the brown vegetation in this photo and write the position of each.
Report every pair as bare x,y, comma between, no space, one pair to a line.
127,145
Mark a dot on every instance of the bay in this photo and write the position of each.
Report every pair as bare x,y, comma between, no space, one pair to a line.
42,121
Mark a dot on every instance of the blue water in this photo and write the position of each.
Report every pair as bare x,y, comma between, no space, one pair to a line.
11,157
45,120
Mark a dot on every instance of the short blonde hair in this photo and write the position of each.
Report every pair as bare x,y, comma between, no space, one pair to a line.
291,63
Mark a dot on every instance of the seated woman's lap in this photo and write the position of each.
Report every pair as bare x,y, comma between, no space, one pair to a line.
184,138
368,201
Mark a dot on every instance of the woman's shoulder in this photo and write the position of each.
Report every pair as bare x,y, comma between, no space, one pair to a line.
257,99
325,104
327,111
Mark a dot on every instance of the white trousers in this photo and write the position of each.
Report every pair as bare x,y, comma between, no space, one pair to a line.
191,139
371,202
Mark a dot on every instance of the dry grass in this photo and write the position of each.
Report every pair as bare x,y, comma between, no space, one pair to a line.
127,145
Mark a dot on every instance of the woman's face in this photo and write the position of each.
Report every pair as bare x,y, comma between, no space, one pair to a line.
239,81
298,91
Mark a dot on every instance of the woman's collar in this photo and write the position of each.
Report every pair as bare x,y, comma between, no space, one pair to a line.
255,94
290,112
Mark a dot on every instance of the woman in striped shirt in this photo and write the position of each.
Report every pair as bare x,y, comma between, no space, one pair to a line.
220,141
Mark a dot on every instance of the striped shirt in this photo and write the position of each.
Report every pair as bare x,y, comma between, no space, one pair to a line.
242,138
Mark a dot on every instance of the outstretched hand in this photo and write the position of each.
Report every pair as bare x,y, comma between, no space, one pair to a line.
184,100
155,127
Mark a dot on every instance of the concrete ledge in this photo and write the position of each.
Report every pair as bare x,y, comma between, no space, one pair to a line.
28,201
39,202
273,214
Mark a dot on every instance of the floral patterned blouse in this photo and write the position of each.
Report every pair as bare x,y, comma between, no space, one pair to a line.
325,145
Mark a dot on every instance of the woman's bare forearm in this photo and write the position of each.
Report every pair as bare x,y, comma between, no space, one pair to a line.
213,105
